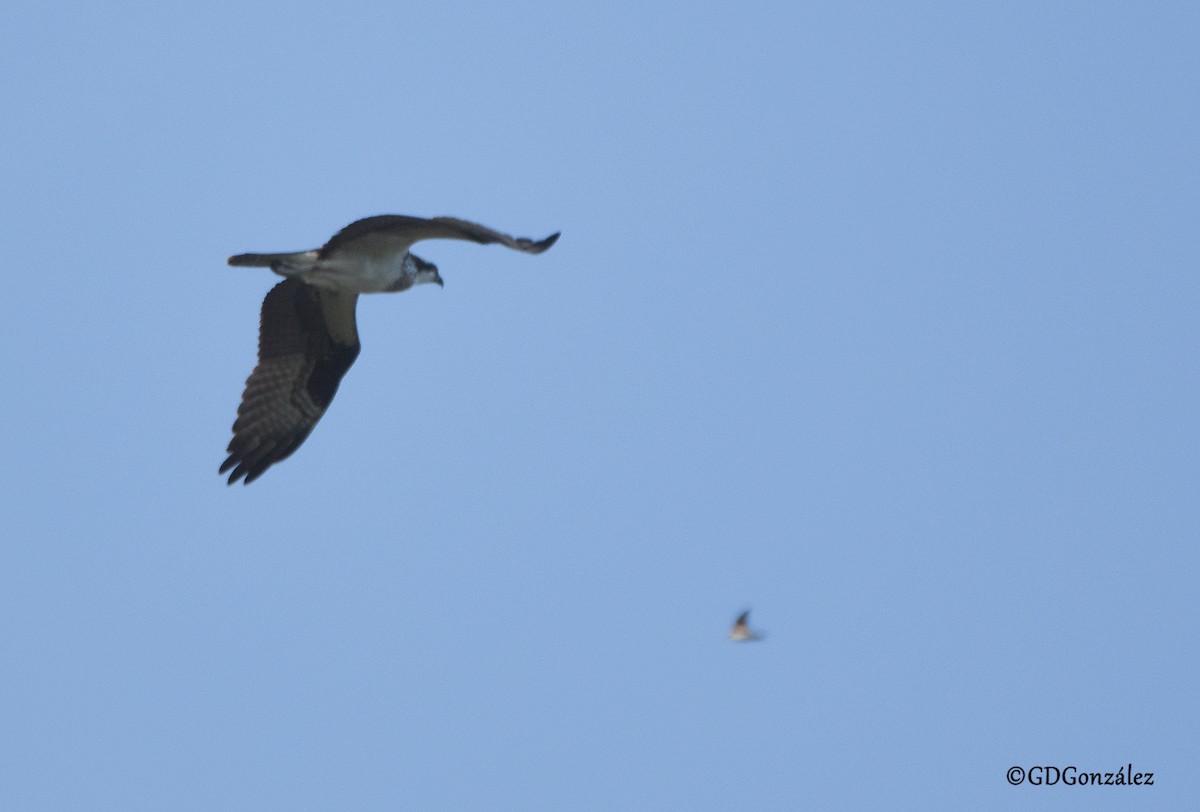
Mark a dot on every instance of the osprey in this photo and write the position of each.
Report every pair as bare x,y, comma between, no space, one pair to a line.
307,336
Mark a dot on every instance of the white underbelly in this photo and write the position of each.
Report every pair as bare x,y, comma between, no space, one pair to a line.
366,275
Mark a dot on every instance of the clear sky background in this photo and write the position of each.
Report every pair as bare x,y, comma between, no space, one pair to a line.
880,319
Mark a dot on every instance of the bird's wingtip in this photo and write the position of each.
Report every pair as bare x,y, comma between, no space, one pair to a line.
539,247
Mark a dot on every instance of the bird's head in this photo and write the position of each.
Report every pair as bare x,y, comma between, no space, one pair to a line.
421,271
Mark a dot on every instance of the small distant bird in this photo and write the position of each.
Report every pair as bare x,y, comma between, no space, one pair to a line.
308,337
741,631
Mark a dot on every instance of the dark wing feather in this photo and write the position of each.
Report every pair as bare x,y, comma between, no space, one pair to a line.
307,340
396,232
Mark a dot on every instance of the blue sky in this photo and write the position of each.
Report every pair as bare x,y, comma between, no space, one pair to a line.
880,319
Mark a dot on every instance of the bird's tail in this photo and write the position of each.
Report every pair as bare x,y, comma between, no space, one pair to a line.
280,263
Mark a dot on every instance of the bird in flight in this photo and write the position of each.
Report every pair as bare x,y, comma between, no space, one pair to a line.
307,335
741,631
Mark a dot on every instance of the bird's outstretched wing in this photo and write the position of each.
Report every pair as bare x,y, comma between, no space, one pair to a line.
307,340
389,233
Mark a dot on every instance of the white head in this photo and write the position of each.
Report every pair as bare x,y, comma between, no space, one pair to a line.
420,271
